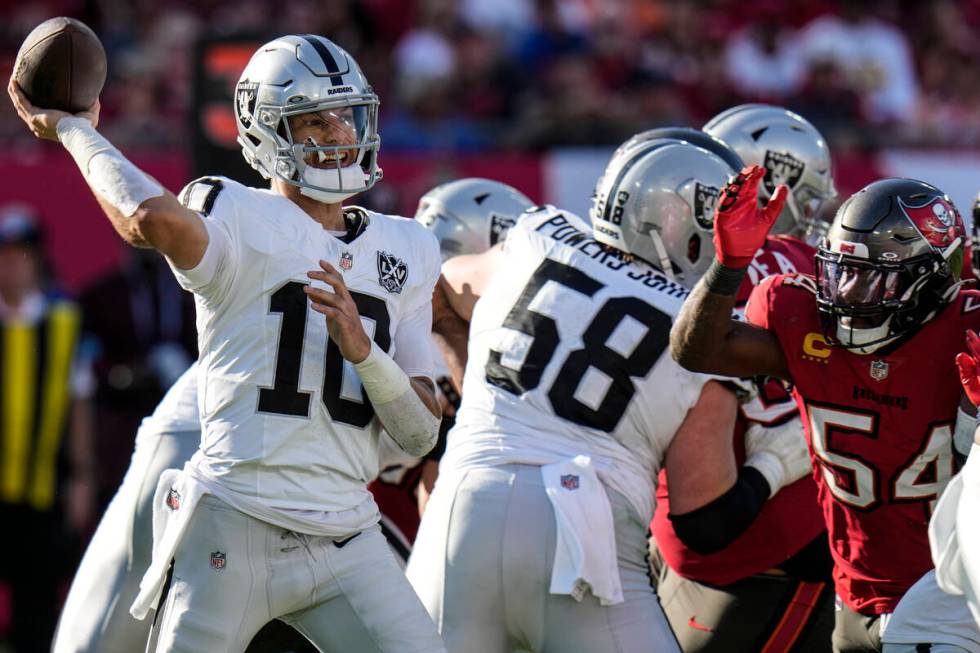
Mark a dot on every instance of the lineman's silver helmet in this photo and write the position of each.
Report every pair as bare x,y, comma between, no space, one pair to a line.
300,74
469,216
791,150
657,202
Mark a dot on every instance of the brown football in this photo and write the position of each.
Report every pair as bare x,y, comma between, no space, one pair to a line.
61,65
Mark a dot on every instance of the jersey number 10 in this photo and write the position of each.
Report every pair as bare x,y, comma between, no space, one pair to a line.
285,397
595,352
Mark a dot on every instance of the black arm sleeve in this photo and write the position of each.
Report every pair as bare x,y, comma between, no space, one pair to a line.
714,526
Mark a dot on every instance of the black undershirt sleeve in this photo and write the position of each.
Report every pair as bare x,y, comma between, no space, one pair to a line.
714,526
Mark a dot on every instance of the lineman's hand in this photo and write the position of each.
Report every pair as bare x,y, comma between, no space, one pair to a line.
740,224
43,123
343,319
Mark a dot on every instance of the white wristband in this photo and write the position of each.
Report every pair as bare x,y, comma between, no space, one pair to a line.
770,467
107,171
381,377
403,414
963,432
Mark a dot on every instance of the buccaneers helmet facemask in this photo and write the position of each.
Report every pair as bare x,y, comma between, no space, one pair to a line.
866,306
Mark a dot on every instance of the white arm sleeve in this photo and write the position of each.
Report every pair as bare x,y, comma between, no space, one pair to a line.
413,349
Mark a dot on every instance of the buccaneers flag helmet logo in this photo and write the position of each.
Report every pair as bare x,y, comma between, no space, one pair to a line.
935,220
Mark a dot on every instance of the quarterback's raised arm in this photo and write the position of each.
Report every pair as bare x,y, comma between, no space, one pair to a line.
705,338
140,209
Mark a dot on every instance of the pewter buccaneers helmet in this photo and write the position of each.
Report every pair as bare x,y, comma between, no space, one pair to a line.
657,202
469,216
791,150
300,74
891,260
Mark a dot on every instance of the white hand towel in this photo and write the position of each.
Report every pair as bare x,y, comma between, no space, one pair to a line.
174,501
585,547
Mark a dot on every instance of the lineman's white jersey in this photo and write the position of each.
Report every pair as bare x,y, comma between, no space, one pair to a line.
289,436
568,354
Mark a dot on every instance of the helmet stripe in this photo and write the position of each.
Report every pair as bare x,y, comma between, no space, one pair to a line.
636,156
326,56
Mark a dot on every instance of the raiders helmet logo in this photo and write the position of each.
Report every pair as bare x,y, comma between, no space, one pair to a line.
935,220
245,95
781,168
392,272
705,200
499,226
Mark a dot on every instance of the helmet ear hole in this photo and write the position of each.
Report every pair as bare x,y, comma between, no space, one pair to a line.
694,248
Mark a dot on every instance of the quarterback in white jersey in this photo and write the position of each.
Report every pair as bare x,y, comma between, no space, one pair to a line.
570,406
272,517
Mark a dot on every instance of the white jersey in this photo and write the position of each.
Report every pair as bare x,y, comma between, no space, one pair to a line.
568,355
177,412
289,436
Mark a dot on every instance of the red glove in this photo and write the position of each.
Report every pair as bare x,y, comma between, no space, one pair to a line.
740,225
967,364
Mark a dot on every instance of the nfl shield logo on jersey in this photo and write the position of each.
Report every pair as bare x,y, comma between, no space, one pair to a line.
879,370
392,272
217,560
346,261
569,481
173,499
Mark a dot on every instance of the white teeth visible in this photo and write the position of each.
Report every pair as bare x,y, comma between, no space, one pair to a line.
322,156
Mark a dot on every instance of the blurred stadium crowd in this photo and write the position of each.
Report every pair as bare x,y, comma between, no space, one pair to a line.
471,75
481,76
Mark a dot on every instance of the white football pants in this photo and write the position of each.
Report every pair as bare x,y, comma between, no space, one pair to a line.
96,616
233,573
482,566
926,615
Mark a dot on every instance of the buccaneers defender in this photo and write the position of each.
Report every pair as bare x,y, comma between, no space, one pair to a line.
880,321
769,587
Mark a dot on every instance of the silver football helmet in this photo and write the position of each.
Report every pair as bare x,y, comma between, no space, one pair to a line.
308,74
657,202
469,216
792,151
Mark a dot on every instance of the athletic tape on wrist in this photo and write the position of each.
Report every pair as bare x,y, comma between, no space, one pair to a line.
381,377
107,171
963,432
723,280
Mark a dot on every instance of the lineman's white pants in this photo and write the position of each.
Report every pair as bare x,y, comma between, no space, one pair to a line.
482,566
96,614
233,573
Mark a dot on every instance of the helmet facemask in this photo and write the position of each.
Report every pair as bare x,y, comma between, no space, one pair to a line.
865,306
328,150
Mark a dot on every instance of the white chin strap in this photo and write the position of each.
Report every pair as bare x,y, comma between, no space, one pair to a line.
351,177
863,341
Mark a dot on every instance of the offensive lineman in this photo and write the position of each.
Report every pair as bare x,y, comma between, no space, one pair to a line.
271,518
883,315
771,586
569,408
467,216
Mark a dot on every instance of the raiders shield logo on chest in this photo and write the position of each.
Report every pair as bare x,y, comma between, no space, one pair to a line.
392,272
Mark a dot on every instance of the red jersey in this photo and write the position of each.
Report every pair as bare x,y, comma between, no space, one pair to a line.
879,428
789,520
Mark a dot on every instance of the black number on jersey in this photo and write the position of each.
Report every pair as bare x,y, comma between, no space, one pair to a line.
285,397
595,353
